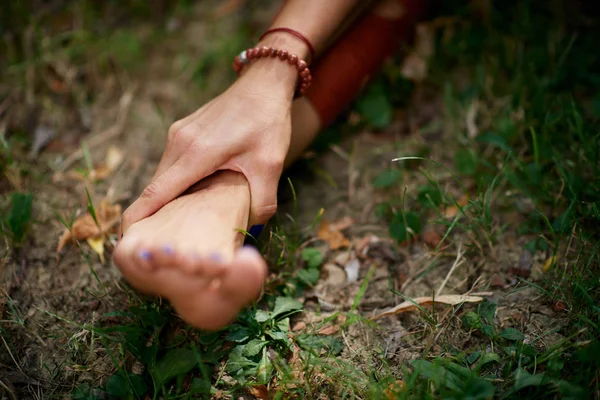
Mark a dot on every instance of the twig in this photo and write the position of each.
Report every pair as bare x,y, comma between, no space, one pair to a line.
459,260
11,355
106,135
8,390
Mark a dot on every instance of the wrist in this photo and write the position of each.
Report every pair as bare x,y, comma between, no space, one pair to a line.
272,74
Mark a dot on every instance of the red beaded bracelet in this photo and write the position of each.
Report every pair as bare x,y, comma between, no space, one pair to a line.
257,52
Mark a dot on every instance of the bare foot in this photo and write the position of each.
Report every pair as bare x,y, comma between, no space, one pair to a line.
191,253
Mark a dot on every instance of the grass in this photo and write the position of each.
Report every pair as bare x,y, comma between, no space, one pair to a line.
520,157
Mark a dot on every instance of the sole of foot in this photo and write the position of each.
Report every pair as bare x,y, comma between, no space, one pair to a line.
191,253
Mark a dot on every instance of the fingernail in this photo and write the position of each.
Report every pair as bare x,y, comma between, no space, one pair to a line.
216,257
145,255
168,249
255,230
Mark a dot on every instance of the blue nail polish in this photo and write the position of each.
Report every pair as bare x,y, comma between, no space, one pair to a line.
146,255
216,257
255,230
168,249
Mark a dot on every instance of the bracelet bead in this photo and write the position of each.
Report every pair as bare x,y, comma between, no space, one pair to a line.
301,65
283,54
246,56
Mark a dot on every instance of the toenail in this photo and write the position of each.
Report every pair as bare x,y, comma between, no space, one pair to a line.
145,255
168,249
216,257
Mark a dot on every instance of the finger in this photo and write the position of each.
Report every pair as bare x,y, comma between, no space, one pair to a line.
168,186
169,156
263,195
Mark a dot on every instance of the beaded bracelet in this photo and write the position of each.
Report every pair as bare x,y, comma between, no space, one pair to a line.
257,52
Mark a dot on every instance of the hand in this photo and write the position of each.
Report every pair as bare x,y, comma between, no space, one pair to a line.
246,129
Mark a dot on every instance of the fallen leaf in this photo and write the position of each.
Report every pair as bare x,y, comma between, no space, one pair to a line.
260,392
393,390
449,299
498,281
342,224
333,237
335,274
549,263
328,330
298,326
85,227
431,238
559,306
451,211
352,269
97,244
362,244
332,327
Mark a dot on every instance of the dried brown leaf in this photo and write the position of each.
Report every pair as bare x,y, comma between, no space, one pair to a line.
260,392
342,224
449,299
85,227
451,211
333,237
431,238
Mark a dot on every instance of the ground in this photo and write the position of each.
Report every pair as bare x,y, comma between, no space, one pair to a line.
494,197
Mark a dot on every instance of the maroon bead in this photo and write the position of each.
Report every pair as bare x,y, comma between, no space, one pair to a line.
264,51
292,59
304,72
283,54
236,67
257,52
250,54
301,65
308,78
272,52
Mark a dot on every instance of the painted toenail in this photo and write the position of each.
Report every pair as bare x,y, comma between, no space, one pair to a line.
168,249
145,255
256,230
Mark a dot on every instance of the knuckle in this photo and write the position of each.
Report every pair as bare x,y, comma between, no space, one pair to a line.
150,191
174,130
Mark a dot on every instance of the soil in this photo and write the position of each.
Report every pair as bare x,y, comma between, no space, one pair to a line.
49,300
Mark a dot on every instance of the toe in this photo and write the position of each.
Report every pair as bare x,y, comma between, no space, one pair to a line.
130,255
210,267
247,275
164,256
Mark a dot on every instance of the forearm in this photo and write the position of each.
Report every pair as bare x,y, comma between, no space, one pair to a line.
317,20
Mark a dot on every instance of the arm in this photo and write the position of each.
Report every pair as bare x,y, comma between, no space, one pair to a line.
247,128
